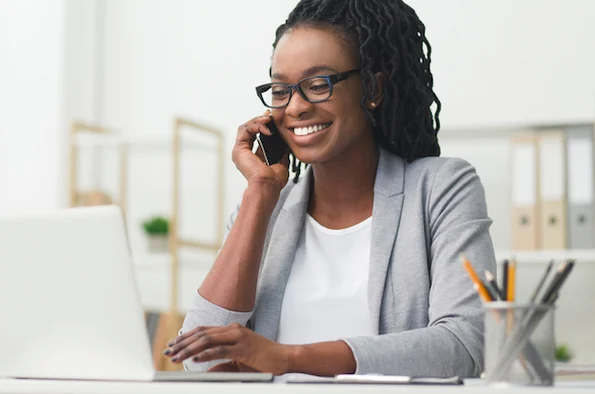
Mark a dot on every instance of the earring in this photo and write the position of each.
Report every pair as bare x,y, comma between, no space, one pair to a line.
372,105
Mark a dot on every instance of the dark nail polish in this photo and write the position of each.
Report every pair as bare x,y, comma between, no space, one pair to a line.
196,359
167,352
174,359
171,343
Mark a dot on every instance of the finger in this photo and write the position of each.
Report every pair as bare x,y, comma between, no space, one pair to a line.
187,334
197,333
248,131
218,352
206,341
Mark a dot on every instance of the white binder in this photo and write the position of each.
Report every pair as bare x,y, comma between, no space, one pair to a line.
581,225
525,197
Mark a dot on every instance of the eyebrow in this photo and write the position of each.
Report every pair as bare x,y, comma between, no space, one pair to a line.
308,72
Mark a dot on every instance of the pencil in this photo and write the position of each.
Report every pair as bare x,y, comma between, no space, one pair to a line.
493,286
481,289
510,290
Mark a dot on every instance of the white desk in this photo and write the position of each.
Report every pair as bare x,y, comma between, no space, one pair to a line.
67,387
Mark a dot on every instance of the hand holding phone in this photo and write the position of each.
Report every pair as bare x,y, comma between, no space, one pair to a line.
273,146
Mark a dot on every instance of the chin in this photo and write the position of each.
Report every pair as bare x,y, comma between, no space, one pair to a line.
311,157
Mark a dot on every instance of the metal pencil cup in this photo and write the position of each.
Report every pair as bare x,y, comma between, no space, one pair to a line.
519,344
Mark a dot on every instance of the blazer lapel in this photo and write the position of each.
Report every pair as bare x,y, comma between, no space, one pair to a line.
279,257
386,214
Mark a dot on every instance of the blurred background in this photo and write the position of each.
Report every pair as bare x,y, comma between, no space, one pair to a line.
93,93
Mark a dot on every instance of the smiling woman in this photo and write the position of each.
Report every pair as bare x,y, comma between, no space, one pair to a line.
353,267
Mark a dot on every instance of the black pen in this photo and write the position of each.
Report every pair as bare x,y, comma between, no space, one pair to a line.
493,286
504,288
551,293
542,281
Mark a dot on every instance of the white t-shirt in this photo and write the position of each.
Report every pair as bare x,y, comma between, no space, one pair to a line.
326,297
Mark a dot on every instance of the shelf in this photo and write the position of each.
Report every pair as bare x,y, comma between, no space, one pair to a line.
141,142
145,261
544,256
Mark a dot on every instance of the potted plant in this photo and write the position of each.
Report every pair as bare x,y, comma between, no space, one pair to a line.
157,229
563,353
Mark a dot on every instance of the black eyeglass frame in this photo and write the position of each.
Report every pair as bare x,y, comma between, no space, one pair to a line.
332,80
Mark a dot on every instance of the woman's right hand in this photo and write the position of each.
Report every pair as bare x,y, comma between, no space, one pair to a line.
252,166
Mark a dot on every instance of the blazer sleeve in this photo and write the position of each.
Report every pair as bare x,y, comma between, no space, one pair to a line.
205,313
452,342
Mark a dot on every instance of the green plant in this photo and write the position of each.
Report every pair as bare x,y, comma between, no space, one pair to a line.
563,353
157,225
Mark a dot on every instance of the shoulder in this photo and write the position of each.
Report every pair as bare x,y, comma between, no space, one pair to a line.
434,178
433,166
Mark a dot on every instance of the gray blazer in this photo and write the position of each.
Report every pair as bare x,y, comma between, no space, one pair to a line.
425,215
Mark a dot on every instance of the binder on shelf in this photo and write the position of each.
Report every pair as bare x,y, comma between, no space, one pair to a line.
581,224
525,197
552,229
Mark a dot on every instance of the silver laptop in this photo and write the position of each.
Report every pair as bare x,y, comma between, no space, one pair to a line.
69,305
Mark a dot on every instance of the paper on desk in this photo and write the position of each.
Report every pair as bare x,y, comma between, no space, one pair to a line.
373,379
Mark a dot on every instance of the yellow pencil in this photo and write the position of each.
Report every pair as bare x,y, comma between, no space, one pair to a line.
510,291
483,292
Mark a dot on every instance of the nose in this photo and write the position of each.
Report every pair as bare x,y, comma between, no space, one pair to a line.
297,106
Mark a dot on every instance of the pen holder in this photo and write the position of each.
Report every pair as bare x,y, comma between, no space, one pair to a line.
519,344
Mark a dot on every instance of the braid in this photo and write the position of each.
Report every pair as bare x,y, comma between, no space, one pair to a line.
391,39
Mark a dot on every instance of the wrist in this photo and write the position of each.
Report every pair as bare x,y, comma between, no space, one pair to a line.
268,192
293,355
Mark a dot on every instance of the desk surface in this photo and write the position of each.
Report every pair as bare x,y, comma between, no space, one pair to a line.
15,386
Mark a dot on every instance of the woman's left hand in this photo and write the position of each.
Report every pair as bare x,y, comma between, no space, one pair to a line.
233,342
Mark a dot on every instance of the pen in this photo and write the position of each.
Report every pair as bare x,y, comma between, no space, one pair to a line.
505,279
493,286
551,292
542,281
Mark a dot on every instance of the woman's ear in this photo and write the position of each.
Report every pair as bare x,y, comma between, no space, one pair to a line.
375,100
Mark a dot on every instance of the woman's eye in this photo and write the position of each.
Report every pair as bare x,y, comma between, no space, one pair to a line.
319,87
280,92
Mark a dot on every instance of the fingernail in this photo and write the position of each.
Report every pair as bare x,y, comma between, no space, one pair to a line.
267,112
174,359
171,343
196,359
167,352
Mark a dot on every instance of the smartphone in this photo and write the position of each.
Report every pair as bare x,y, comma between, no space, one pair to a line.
274,146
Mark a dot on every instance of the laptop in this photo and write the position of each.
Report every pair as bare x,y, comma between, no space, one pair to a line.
69,305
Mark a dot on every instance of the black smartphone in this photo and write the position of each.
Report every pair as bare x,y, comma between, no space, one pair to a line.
273,146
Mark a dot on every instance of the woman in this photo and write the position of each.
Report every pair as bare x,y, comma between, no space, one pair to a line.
354,267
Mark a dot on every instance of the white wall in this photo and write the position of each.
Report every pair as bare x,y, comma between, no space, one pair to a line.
32,127
509,62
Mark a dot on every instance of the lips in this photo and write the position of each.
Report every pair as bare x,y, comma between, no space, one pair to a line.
305,130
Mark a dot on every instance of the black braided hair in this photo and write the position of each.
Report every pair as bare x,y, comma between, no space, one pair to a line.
391,39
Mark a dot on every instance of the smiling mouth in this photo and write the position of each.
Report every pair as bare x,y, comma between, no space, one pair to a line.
310,129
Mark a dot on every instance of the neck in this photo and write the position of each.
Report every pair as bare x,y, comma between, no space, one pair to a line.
342,192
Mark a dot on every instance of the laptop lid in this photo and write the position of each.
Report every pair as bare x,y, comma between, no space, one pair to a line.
68,300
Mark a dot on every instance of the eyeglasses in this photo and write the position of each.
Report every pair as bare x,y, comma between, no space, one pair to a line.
312,89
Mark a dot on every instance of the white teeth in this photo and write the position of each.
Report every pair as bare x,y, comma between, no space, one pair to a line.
309,130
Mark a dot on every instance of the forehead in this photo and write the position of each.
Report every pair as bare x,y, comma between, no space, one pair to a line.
303,48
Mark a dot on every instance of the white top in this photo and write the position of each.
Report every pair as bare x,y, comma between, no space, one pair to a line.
326,297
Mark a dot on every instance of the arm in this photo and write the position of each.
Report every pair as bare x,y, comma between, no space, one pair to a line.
452,343
231,282
227,294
